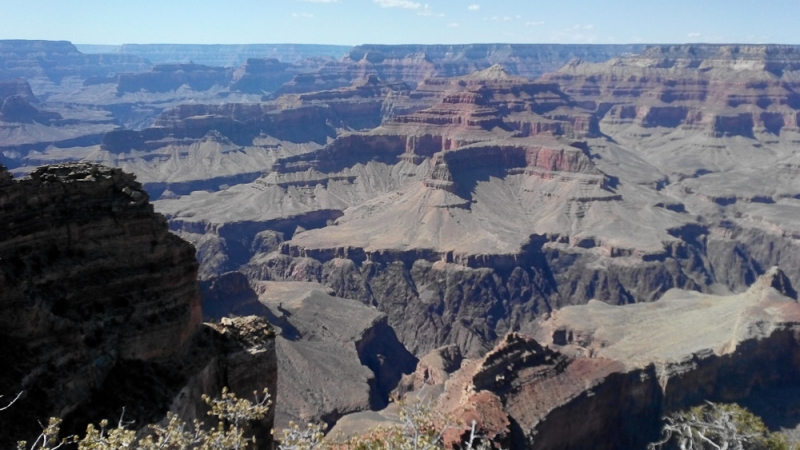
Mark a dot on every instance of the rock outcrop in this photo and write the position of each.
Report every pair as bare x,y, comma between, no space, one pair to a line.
17,87
261,76
723,90
95,288
169,77
17,109
599,376
222,55
414,63
456,195
467,192
197,147
334,356
55,60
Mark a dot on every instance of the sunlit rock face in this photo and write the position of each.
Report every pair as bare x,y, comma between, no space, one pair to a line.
601,376
508,198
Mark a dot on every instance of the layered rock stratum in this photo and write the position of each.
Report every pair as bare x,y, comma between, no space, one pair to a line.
466,205
335,356
600,376
50,62
100,308
220,55
114,85
510,198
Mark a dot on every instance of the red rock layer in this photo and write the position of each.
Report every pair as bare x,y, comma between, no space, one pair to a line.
724,90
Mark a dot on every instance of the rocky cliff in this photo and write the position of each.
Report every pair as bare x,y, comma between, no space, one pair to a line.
105,94
93,287
56,60
169,77
335,356
196,147
27,125
18,87
227,55
722,90
414,63
526,60
463,184
599,376
509,198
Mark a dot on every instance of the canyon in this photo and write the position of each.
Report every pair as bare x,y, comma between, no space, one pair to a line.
536,230
510,198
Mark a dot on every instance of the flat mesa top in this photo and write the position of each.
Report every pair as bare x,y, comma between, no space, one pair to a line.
678,326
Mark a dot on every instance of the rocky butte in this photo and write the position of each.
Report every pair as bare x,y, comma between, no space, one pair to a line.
602,376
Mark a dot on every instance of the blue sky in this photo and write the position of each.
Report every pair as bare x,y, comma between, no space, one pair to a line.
351,22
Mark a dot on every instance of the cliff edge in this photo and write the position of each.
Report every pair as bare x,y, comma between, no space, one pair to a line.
98,299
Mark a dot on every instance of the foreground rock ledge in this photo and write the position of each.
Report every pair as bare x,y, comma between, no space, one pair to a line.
599,376
100,308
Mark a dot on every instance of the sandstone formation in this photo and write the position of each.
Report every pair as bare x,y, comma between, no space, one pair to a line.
599,376
28,126
223,55
169,77
99,91
210,146
17,109
335,356
18,87
48,63
100,304
467,207
261,76
461,186
508,198
415,63
526,60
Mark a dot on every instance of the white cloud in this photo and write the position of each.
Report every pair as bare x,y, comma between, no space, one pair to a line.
302,15
452,25
474,7
580,27
577,33
538,23
695,34
407,4
427,11
500,19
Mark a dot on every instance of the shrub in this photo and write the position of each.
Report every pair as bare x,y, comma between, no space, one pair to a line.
421,429
718,426
229,434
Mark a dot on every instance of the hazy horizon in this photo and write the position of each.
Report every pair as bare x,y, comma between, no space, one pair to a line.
354,22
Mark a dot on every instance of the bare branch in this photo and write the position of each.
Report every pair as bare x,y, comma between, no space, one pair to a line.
12,401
